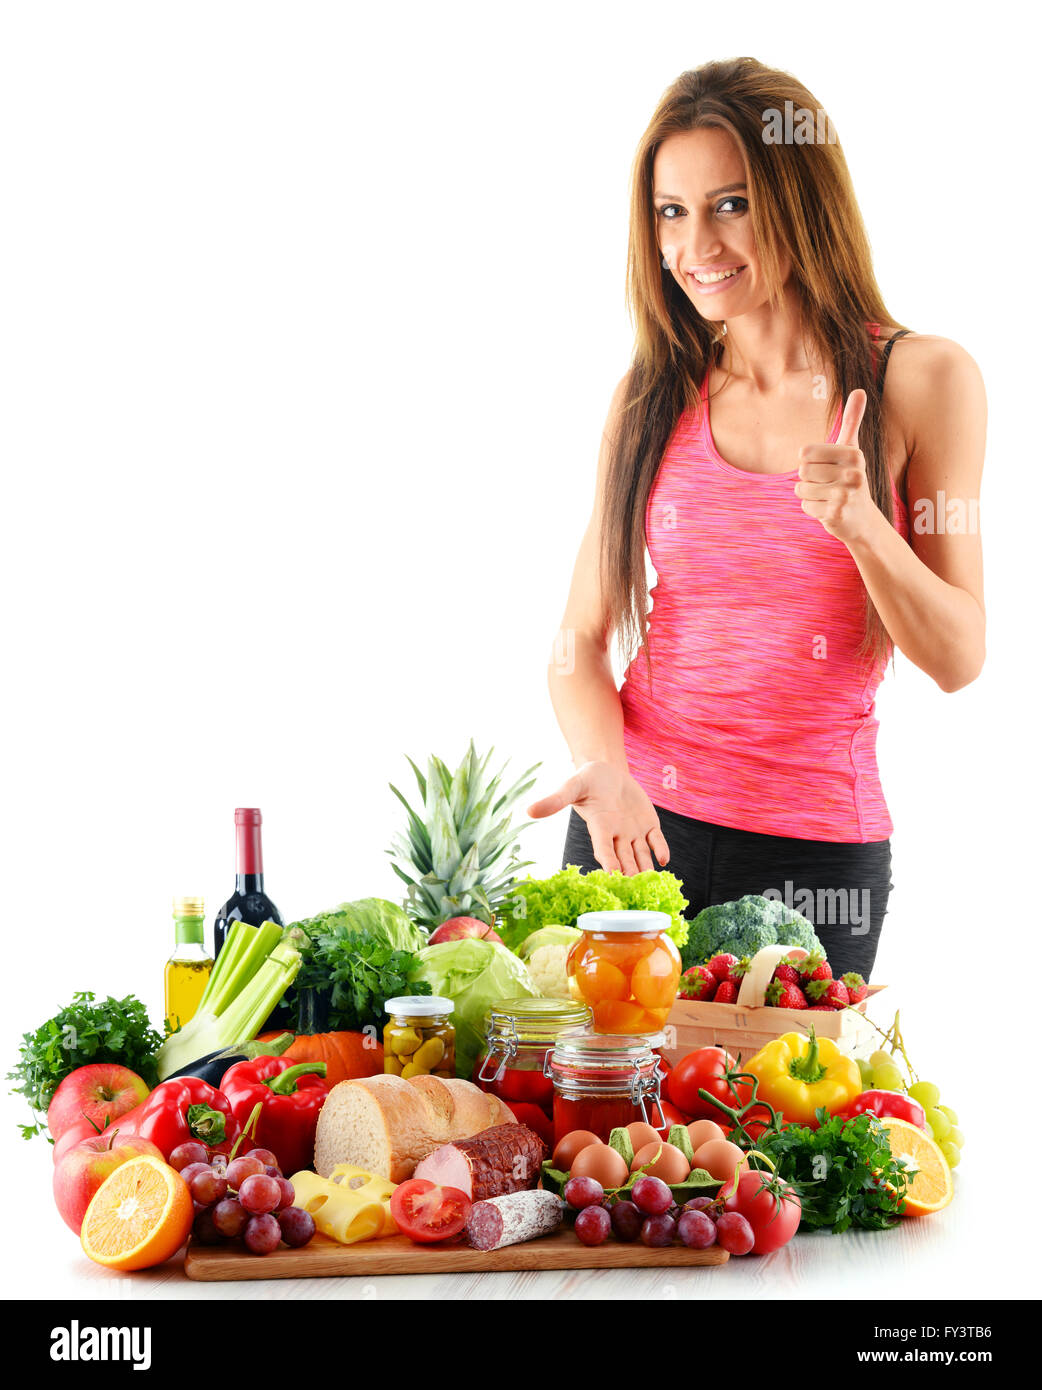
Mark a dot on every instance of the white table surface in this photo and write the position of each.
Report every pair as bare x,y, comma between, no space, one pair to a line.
949,1255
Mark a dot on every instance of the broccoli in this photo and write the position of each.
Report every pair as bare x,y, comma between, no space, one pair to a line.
744,927
799,932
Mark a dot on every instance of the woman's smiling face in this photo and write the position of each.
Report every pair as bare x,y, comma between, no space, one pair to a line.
705,231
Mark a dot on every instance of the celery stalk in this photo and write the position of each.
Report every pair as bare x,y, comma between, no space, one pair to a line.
259,975
259,942
247,1013
234,944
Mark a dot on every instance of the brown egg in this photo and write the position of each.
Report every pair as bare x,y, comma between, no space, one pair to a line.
701,1131
569,1145
719,1157
671,1165
642,1133
601,1162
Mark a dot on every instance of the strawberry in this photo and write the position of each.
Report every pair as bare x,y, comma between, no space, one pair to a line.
720,966
726,992
697,983
830,992
739,970
785,996
856,986
815,967
787,973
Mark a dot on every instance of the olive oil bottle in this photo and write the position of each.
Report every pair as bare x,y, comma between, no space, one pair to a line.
188,969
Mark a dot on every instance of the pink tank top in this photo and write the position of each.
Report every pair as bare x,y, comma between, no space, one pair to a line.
760,715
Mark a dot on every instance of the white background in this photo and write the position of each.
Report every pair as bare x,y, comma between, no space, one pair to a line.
310,320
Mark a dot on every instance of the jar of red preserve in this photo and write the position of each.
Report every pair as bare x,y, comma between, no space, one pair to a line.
518,1036
604,1081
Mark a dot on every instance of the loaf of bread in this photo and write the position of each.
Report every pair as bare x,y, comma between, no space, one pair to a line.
385,1125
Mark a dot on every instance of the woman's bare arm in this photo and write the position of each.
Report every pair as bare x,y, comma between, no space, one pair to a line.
929,593
931,596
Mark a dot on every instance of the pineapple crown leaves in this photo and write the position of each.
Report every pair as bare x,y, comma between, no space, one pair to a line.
462,850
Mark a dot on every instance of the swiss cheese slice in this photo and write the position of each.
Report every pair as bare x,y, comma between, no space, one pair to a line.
350,1205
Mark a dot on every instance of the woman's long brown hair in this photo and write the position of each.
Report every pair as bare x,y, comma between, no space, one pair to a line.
802,205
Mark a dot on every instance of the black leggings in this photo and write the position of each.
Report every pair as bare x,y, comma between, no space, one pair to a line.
841,888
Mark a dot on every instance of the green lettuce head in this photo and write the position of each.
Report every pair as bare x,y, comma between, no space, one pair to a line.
475,974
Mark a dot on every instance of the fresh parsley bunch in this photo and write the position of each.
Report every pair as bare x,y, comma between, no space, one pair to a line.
116,1030
357,973
843,1171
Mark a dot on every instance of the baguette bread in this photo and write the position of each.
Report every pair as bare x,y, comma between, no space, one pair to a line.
385,1125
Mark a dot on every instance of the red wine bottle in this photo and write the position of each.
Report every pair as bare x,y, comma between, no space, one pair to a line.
249,903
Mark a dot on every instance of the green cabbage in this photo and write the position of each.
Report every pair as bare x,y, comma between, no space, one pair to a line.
475,974
383,922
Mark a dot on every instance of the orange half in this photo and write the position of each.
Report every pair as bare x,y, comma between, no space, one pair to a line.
931,1188
140,1215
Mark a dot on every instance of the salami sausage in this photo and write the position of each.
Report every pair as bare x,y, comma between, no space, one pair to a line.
505,1158
512,1218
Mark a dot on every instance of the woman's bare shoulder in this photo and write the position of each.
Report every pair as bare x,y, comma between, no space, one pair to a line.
928,376
920,360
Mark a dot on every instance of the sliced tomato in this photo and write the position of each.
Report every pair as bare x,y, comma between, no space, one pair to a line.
426,1212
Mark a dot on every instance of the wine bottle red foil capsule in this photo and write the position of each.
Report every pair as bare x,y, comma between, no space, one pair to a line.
249,858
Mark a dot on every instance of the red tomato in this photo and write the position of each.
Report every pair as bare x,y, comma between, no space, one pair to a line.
673,1116
666,1068
426,1212
754,1129
527,1087
534,1118
704,1069
774,1219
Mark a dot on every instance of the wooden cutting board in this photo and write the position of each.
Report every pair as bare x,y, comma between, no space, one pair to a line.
398,1255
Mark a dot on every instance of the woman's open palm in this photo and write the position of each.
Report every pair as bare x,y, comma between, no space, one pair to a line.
623,825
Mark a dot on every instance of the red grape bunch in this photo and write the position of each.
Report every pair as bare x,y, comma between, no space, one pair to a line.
247,1199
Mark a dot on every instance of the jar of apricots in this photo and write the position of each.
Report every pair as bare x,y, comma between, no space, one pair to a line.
627,969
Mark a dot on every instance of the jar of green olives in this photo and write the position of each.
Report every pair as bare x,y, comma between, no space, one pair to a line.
419,1040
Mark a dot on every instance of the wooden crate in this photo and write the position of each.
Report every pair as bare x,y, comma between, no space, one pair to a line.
745,1029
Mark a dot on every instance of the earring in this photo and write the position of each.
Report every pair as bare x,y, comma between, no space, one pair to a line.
665,264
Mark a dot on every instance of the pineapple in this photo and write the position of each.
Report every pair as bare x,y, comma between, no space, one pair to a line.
460,853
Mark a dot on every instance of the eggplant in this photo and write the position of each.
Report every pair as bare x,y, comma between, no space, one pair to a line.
212,1067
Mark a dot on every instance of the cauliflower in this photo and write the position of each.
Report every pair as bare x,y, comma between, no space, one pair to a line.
545,953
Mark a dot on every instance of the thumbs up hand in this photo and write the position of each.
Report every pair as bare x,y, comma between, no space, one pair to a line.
833,485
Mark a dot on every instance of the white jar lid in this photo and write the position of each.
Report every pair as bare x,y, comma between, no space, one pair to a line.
623,920
419,1005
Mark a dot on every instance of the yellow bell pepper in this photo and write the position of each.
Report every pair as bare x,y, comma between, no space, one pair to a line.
798,1074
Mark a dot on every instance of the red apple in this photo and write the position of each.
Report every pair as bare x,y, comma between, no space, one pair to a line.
456,928
100,1092
75,1134
82,1170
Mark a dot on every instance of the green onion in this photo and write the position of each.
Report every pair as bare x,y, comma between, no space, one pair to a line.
240,994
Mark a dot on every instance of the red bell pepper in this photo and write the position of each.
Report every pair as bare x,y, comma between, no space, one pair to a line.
289,1095
888,1105
178,1111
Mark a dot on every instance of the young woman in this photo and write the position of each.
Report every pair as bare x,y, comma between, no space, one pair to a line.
740,750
